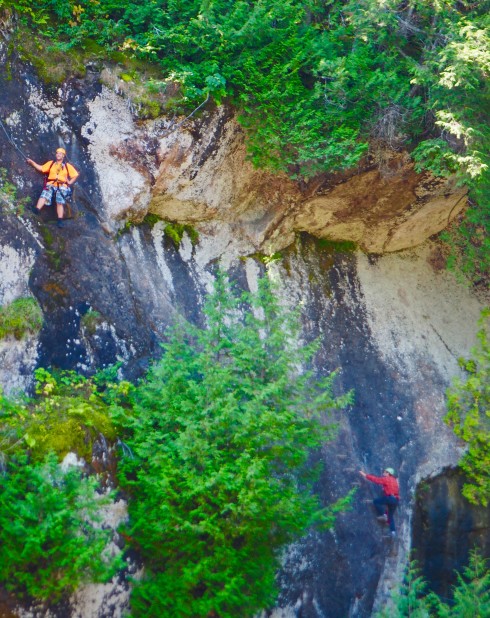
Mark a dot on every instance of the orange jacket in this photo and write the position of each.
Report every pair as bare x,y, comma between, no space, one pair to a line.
59,173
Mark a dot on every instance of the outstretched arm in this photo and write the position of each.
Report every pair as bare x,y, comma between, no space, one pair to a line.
362,473
34,165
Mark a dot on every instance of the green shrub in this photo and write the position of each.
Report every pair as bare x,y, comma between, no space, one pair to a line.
471,594
8,195
176,231
49,530
468,404
91,320
67,415
20,317
221,431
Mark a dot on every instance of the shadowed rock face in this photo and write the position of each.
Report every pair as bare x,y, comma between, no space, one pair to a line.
445,529
391,324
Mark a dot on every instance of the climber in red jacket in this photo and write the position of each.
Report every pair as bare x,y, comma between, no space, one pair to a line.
386,504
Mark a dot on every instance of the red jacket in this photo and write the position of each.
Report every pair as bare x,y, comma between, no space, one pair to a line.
389,484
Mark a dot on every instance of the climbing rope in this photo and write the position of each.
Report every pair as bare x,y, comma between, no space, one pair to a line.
172,129
11,141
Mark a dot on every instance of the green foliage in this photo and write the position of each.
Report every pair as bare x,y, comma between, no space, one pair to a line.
468,403
469,242
52,64
471,595
221,432
334,246
90,321
410,600
20,317
176,231
68,414
264,258
49,532
8,195
151,219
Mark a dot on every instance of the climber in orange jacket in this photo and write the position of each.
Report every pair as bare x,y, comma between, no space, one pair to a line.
386,504
59,176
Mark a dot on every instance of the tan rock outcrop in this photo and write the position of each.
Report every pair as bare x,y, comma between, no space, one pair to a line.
198,173
205,175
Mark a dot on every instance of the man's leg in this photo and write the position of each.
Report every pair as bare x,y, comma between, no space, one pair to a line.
391,504
380,505
59,210
40,203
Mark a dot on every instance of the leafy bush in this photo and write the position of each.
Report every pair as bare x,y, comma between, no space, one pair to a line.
49,532
67,415
20,317
221,431
468,403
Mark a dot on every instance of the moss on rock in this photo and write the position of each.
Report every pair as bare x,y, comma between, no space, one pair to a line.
22,316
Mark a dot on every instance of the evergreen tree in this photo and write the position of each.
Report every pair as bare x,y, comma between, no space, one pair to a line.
50,534
410,600
221,431
471,597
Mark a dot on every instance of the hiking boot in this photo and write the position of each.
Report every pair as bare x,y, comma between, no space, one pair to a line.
393,534
60,223
35,210
382,518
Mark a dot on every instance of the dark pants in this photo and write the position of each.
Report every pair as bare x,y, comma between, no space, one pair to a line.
386,503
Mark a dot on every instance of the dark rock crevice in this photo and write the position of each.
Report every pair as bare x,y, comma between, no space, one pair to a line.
445,528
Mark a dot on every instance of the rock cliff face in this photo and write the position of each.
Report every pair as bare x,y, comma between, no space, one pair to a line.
393,323
201,176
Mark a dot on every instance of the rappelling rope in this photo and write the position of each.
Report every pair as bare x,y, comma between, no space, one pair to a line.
172,129
11,141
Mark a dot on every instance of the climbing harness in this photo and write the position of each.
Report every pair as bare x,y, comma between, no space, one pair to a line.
56,183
